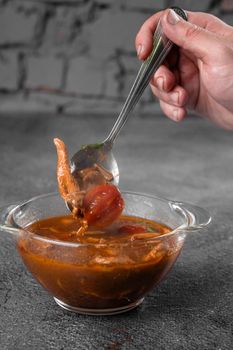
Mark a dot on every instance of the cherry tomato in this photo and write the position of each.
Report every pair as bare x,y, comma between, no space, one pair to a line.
132,229
102,205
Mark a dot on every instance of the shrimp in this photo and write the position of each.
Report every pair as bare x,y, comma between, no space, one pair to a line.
67,184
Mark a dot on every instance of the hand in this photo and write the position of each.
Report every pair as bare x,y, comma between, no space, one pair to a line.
200,77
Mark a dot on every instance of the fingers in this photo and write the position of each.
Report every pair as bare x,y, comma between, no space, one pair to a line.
203,44
209,22
177,97
165,87
144,38
200,35
174,113
163,79
173,98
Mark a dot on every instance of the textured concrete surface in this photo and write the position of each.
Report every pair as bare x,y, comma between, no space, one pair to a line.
50,48
192,308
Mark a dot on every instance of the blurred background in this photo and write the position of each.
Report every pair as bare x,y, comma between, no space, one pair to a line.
77,55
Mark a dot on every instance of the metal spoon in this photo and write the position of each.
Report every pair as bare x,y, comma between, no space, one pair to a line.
101,153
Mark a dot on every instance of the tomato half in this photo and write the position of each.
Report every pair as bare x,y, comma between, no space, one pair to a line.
102,205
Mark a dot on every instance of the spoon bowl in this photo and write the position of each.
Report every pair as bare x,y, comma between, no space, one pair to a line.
101,154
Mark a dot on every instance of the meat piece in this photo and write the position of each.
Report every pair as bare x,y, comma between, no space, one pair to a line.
106,174
89,178
94,176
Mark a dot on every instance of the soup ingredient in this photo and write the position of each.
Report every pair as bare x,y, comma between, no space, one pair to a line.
68,186
93,200
91,177
103,205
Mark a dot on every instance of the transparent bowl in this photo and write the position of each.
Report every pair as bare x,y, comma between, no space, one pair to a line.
101,279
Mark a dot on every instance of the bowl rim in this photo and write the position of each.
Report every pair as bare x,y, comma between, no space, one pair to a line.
16,229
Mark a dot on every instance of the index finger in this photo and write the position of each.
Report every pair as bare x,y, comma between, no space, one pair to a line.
144,38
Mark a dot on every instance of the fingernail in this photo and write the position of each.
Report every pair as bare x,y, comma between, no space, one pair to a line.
175,97
160,83
140,50
172,17
175,114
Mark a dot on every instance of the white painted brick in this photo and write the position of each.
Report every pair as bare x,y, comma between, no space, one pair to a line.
113,30
131,63
20,103
15,25
110,80
68,2
44,71
98,106
191,5
152,108
104,39
52,100
48,103
61,35
8,70
128,82
95,106
144,4
85,76
105,2
58,31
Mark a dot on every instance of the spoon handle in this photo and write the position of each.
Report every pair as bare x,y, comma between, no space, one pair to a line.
161,47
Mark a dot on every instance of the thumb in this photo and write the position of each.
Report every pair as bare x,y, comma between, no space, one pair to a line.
197,40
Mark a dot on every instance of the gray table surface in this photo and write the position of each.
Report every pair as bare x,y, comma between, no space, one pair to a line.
192,161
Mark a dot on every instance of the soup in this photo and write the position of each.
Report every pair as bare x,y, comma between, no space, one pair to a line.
103,269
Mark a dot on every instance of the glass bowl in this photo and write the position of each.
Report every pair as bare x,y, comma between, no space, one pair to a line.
102,279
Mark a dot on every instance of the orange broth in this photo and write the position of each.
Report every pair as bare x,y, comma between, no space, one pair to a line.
108,268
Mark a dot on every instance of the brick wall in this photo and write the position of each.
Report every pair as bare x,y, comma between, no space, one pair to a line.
76,55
